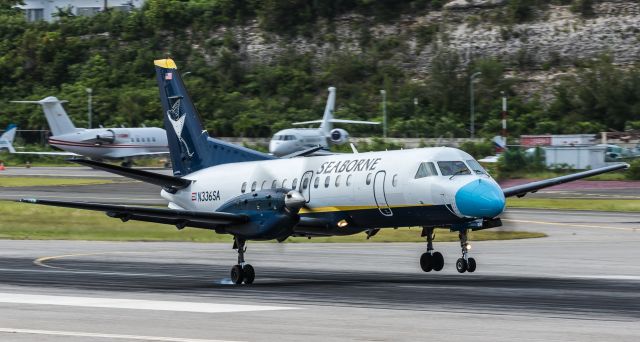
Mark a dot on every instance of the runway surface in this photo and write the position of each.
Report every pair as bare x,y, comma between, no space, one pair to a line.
581,283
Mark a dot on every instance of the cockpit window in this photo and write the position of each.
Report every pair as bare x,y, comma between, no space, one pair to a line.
476,167
426,169
450,168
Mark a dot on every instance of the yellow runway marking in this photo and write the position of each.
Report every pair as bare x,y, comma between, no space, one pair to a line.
571,225
41,261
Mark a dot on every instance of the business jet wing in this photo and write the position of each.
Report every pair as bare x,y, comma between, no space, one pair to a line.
68,154
337,121
521,190
179,218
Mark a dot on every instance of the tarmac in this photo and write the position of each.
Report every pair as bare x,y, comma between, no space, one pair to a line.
581,283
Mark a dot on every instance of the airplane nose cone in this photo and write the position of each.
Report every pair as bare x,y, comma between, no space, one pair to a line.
480,198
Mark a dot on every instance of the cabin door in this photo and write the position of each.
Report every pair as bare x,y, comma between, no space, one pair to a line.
305,185
379,194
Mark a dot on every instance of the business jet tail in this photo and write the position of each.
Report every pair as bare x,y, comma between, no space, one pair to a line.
57,117
6,139
190,146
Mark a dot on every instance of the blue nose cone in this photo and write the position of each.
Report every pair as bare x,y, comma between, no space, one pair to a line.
480,198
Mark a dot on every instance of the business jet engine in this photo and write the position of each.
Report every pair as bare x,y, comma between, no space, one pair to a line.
339,136
272,214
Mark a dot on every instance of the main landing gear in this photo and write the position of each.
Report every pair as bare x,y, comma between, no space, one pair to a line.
430,260
465,264
242,272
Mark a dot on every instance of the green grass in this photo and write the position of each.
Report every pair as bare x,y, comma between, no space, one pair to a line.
36,222
46,181
577,204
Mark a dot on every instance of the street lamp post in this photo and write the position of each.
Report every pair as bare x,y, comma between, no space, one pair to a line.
472,123
89,92
384,113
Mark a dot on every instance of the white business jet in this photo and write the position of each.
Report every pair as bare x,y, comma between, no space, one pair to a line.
291,140
98,143
254,196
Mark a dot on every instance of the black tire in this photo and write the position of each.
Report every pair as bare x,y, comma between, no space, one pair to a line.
461,265
438,261
236,274
249,274
426,262
471,265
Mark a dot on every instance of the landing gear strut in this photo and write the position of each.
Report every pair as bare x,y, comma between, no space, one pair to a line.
466,263
430,260
242,272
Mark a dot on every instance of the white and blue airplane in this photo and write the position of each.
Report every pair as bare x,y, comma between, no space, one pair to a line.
6,139
98,143
234,190
291,140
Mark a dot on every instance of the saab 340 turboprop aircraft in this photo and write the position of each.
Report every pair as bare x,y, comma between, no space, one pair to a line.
98,143
254,196
290,140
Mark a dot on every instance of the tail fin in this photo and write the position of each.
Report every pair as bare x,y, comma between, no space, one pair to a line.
57,117
6,139
190,146
327,118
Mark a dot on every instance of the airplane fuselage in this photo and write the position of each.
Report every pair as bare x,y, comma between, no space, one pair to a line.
290,140
368,190
113,143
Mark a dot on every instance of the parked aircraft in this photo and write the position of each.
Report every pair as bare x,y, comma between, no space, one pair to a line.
290,140
98,143
6,139
255,196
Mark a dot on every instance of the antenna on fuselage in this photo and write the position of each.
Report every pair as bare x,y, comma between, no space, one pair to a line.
353,148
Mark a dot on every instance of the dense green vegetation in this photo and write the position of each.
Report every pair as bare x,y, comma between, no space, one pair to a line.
113,51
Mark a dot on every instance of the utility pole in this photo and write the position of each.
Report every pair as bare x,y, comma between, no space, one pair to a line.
89,92
384,113
504,117
472,123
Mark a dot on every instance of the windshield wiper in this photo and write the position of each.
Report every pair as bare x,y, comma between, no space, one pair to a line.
459,172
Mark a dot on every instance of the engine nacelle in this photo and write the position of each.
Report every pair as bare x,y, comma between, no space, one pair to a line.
339,136
272,213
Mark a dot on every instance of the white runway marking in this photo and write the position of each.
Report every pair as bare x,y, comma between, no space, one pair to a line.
133,304
98,335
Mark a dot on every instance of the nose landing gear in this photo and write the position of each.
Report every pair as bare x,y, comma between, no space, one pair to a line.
430,260
466,263
242,272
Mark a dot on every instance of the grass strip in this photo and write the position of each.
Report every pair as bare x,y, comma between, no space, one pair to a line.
10,181
623,205
35,222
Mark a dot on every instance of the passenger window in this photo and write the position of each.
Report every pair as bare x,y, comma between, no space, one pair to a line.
327,181
264,185
244,187
337,181
153,139
451,168
137,139
349,180
305,184
132,140
394,181
368,179
284,183
316,182
274,185
426,169
295,184
253,185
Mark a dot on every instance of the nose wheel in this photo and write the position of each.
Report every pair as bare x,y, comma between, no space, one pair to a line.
242,272
466,263
430,261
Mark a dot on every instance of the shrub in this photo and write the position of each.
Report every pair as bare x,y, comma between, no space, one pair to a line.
634,170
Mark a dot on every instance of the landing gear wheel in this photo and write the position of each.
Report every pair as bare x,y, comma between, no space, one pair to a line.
461,265
237,275
426,262
471,265
250,274
437,260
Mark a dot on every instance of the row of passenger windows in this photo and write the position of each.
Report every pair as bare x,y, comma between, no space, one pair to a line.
152,139
306,183
284,137
449,168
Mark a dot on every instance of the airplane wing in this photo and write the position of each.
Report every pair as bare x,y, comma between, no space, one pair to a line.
354,122
307,122
49,153
179,218
521,190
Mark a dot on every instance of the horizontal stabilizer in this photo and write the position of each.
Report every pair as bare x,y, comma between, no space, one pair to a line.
354,122
169,183
307,122
179,218
521,190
